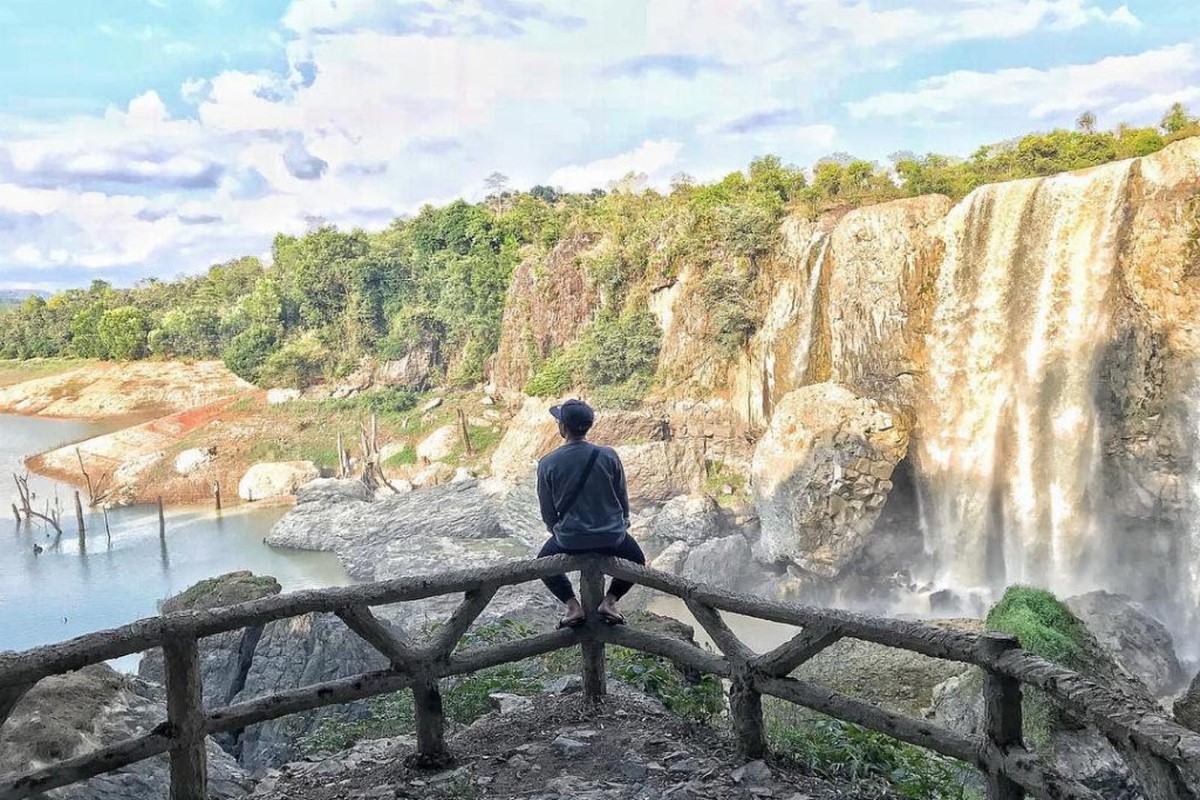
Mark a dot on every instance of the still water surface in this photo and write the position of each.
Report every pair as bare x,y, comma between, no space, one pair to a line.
72,588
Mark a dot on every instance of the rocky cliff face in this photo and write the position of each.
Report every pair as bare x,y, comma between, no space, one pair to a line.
548,304
1040,340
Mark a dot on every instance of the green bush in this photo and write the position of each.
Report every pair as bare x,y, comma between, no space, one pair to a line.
248,351
122,333
555,378
874,763
614,349
657,677
300,363
389,400
627,395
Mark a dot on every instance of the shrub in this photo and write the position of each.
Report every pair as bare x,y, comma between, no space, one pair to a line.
390,400
875,764
300,363
614,349
554,379
657,677
249,350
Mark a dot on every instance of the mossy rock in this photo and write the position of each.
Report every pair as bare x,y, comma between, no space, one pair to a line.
223,590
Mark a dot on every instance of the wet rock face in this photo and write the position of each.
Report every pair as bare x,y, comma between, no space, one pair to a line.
1137,641
882,258
821,475
69,715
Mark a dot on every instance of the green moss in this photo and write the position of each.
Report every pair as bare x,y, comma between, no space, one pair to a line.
1047,628
1043,624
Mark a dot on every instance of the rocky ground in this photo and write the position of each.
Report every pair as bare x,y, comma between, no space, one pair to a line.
555,748
100,389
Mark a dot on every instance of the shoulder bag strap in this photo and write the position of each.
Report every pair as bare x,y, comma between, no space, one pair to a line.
583,476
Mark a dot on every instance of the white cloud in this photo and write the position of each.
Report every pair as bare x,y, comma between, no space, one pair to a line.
650,159
385,104
1119,84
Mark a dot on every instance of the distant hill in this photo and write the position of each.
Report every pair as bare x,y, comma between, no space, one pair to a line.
14,297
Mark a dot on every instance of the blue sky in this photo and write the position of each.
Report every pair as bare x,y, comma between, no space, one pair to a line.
153,137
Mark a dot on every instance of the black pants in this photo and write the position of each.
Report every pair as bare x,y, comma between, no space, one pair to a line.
560,585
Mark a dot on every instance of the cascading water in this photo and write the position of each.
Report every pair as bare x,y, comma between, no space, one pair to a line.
785,350
1009,446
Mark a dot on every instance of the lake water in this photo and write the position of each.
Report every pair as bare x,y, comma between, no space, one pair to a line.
71,588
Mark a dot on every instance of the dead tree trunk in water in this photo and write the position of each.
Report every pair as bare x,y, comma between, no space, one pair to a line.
27,504
162,520
79,515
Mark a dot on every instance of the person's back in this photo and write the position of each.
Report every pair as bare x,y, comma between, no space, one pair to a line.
585,505
598,515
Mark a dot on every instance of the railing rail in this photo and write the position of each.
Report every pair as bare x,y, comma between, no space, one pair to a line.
1164,757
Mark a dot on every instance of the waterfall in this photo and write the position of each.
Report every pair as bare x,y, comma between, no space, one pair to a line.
786,351
1009,448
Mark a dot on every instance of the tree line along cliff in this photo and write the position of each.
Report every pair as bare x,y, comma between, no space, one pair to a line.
435,290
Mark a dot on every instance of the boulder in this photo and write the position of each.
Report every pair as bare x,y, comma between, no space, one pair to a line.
70,715
899,680
276,397
821,475
289,654
438,445
687,518
224,657
278,479
193,459
332,490
413,371
726,563
1138,642
655,472
1187,706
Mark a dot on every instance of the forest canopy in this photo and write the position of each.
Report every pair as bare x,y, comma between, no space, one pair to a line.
436,281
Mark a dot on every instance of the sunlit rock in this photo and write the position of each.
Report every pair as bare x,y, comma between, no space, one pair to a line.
821,475
277,479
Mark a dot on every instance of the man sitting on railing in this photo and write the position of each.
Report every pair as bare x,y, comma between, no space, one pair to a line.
584,503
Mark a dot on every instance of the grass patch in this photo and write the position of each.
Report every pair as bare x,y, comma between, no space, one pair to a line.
875,764
718,475
407,455
1047,628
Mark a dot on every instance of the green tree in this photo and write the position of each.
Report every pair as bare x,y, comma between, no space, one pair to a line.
85,332
1177,119
193,331
122,333
247,352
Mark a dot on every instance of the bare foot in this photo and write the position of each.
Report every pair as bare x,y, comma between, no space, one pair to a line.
574,615
608,611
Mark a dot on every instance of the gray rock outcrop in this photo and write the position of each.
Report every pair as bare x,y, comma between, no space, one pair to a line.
69,715
225,657
821,475
1137,641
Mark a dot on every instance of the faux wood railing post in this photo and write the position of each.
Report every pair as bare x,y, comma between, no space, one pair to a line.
746,713
431,726
591,589
185,715
1002,720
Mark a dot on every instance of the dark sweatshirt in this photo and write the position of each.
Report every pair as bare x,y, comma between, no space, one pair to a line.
600,516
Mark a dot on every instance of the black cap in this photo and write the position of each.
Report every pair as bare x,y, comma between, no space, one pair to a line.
575,414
